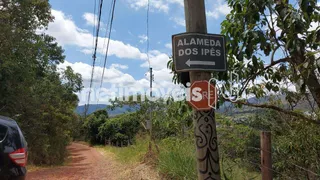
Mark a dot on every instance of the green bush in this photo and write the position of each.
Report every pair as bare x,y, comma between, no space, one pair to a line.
296,151
92,125
121,129
32,90
239,142
177,161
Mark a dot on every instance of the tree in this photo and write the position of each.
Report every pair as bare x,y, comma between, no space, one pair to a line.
284,34
73,81
120,129
294,144
172,120
92,125
31,89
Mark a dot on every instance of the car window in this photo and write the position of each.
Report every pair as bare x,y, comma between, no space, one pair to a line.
3,132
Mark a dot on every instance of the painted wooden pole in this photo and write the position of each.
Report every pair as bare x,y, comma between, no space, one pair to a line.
204,121
266,159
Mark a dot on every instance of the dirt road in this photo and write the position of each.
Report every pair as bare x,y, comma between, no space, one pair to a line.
86,163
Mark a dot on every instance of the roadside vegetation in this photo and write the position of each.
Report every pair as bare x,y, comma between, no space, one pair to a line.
33,90
173,150
41,97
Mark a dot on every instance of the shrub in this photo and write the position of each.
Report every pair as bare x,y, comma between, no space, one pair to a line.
120,129
92,125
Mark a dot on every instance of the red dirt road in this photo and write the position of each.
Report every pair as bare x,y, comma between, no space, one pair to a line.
86,163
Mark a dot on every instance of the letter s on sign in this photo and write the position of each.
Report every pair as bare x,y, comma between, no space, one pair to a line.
196,95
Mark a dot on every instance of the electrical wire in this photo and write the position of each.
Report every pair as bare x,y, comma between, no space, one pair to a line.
148,43
94,55
94,24
107,27
108,31
93,47
108,43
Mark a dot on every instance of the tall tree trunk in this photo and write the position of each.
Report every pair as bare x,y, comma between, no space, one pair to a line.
309,77
314,86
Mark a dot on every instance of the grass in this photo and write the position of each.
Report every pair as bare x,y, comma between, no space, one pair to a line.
131,154
232,170
176,159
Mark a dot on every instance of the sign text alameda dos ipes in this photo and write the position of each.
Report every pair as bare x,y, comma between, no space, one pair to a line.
203,52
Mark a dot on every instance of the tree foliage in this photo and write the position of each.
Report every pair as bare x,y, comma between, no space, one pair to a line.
173,120
92,125
272,45
169,118
294,144
32,91
284,34
120,129
287,33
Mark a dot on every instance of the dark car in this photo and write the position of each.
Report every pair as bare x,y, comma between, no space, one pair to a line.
13,150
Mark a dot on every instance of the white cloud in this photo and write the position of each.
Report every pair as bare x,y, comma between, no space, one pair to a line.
119,66
219,8
111,75
143,38
158,5
158,60
155,5
114,75
179,2
168,45
90,18
162,81
67,33
179,21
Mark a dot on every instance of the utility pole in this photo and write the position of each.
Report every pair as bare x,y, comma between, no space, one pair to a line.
150,120
204,121
151,79
266,159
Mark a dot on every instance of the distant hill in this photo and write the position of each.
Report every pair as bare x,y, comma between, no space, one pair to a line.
94,107
229,108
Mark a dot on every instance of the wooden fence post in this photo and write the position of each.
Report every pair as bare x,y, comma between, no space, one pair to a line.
266,159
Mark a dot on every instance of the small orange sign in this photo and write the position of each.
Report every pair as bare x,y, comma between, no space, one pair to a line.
203,95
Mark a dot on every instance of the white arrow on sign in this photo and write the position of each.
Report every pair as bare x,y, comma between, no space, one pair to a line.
204,63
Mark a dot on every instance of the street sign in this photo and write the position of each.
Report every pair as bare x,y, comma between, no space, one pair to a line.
202,95
199,52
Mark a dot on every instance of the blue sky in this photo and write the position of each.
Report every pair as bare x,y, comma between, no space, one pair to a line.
127,64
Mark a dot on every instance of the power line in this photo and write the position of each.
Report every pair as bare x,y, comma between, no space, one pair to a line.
107,50
94,24
97,32
94,55
93,47
148,45
107,28
104,42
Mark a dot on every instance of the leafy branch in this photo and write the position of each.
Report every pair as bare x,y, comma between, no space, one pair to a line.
253,76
